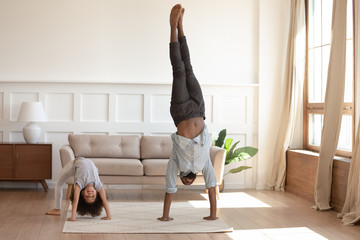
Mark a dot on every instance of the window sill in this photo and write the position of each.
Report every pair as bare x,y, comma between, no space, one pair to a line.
316,154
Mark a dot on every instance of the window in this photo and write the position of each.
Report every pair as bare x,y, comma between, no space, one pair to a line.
319,17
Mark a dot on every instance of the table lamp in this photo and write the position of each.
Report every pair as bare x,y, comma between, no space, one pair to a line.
31,112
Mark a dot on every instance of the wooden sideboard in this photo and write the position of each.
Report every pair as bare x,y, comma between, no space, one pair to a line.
26,162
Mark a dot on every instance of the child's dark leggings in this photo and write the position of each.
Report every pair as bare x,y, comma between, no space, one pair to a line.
186,98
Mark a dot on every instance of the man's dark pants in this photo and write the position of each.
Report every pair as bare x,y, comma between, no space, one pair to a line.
186,98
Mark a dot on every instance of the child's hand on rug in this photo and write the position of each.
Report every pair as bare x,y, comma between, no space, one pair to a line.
210,218
165,219
106,218
72,219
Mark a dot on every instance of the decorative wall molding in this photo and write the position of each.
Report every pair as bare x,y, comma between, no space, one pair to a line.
124,109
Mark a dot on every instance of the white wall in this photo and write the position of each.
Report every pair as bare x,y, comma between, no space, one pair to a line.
124,40
73,54
273,29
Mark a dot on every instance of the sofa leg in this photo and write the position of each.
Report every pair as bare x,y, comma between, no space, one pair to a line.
69,190
217,192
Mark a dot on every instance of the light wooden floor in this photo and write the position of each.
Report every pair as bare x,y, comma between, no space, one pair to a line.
286,217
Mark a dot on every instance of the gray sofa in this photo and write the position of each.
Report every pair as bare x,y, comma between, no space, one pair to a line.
131,160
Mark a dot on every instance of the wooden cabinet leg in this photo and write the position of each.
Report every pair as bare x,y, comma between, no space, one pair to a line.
69,190
44,184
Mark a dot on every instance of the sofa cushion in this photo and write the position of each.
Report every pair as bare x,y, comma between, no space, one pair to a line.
102,146
155,167
114,166
155,147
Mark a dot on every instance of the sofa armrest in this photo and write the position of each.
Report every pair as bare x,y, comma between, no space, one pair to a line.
66,154
217,156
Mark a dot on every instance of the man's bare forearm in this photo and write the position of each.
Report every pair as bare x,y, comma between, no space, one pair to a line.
166,210
212,200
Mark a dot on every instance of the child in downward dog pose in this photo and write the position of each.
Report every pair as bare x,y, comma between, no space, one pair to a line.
89,195
191,143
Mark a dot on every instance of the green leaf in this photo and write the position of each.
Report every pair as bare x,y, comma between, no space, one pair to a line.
220,141
232,159
227,144
239,169
240,154
230,154
251,151
233,154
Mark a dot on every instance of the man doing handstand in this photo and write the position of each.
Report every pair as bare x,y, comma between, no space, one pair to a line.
191,143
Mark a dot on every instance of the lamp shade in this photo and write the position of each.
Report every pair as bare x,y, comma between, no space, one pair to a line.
32,112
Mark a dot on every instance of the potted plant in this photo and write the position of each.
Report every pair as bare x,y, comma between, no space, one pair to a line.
234,154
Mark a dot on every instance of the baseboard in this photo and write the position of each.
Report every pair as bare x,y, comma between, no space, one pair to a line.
260,186
234,186
5,184
51,184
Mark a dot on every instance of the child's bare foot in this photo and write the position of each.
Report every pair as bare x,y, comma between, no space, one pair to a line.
53,212
174,15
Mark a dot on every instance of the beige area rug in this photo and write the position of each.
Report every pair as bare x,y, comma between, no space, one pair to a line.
141,217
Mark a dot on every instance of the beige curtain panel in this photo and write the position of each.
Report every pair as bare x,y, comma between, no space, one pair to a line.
334,101
292,94
350,213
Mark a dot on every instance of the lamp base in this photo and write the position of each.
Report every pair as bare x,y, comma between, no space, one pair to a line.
31,133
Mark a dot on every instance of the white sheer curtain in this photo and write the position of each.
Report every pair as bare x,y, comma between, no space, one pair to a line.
291,94
350,213
334,101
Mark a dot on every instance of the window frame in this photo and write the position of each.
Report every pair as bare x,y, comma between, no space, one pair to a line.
318,108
